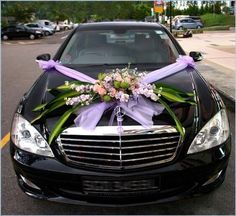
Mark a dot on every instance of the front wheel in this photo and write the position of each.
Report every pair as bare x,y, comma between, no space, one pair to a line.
5,37
198,27
180,28
46,33
32,37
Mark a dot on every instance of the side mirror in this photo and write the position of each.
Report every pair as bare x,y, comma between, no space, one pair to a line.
44,57
197,56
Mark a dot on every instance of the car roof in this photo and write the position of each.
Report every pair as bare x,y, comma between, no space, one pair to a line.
119,24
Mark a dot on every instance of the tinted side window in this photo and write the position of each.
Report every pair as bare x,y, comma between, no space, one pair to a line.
11,29
191,21
20,28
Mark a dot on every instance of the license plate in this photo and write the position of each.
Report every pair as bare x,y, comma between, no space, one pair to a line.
119,186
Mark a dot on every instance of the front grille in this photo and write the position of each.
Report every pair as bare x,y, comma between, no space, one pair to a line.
136,148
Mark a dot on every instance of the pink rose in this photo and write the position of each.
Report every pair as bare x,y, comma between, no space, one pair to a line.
99,89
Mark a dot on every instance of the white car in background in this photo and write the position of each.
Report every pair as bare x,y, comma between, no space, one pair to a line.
47,23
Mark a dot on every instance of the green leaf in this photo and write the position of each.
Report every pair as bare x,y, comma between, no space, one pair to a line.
179,126
39,116
167,87
39,107
101,76
47,111
62,96
173,96
57,128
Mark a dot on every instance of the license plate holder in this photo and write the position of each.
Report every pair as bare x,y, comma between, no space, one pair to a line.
114,185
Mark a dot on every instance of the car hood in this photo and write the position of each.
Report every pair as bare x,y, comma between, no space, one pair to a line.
187,80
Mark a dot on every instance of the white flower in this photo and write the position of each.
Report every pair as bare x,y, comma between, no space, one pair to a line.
154,97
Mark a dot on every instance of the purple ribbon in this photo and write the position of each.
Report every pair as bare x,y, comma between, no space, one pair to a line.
48,65
140,109
181,63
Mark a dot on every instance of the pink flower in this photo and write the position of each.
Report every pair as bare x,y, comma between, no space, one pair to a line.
113,92
99,89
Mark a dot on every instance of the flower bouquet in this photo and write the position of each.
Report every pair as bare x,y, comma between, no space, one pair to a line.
121,87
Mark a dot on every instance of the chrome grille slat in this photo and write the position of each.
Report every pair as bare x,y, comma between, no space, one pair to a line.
91,146
117,154
152,151
145,158
149,145
117,141
146,148
97,159
89,152
127,147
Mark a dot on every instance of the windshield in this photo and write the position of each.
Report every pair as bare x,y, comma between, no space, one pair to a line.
119,47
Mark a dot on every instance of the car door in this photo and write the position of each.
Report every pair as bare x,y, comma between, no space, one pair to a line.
21,32
192,24
184,23
11,32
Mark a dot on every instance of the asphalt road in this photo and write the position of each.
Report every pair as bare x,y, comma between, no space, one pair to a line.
19,71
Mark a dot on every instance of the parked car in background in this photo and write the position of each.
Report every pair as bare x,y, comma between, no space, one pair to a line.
35,26
187,23
145,164
47,23
65,26
20,31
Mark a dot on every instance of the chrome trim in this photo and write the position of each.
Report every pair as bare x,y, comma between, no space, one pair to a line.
117,141
213,178
112,131
29,183
146,158
96,159
127,130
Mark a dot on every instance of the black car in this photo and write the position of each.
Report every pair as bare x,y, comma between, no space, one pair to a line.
20,31
147,164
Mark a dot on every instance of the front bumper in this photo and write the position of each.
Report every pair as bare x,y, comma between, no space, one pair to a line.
55,181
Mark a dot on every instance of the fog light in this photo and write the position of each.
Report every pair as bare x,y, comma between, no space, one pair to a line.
213,178
29,183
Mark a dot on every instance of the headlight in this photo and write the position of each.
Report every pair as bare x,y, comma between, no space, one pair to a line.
214,133
27,138
38,32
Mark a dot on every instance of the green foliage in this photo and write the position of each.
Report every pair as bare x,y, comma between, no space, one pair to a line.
218,20
21,11
76,11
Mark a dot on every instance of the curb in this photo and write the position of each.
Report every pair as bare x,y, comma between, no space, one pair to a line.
228,100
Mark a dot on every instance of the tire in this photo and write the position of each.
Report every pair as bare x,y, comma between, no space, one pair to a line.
198,27
181,28
32,37
46,33
5,37
66,28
